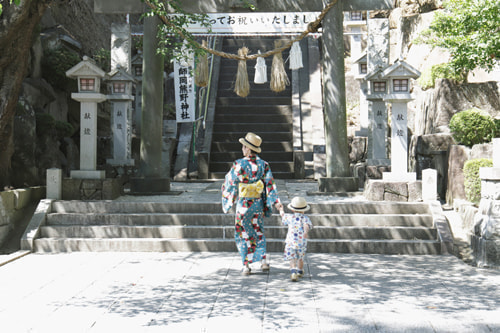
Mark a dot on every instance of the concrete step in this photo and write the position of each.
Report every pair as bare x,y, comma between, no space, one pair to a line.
277,175
249,118
343,227
400,247
276,166
263,109
267,137
218,231
265,155
264,128
236,100
349,208
220,219
226,89
278,146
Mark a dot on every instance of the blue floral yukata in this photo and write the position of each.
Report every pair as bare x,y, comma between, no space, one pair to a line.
249,221
296,243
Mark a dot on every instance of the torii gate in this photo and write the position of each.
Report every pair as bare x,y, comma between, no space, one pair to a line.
334,100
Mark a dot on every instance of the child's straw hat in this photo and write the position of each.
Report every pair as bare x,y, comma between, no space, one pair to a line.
298,204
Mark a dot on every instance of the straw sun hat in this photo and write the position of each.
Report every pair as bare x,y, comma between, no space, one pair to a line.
298,204
252,141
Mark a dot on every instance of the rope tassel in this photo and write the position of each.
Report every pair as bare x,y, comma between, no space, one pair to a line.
279,79
201,77
260,71
242,86
296,56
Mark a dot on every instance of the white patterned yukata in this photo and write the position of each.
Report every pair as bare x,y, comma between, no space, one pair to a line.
249,221
296,243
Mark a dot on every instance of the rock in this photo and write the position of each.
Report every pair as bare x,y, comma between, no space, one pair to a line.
457,156
37,92
441,103
357,149
24,168
483,150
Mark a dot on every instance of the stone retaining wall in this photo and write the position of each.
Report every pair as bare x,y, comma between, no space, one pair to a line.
12,204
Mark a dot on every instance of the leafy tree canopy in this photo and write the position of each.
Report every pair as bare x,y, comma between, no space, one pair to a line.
470,31
17,2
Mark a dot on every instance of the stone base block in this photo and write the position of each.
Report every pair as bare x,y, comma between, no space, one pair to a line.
119,162
88,174
91,189
486,252
149,186
378,162
381,190
338,184
399,177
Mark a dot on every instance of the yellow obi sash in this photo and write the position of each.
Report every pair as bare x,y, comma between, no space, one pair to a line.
251,190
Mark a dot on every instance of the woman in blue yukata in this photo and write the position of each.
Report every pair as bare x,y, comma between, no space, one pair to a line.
251,185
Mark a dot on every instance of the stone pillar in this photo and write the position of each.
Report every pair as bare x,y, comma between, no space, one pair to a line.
377,152
54,184
121,46
399,144
121,113
152,115
485,240
334,100
120,128
364,118
378,43
88,136
377,54
429,185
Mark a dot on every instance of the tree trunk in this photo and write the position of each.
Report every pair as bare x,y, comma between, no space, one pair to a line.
17,26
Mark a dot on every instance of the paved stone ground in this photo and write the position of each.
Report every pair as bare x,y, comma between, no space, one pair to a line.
205,292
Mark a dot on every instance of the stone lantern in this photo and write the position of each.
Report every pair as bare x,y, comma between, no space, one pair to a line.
399,76
120,85
377,111
89,83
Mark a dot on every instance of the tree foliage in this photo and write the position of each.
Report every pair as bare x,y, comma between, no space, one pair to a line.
470,31
176,42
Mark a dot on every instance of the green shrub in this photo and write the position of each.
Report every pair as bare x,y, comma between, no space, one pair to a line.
472,127
102,58
44,123
472,182
64,129
55,63
497,127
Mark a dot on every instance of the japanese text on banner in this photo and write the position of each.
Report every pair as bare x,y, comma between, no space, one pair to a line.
184,92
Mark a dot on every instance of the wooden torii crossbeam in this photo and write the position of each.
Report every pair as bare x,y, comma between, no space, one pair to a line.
334,99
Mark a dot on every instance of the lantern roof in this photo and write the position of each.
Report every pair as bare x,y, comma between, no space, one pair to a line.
86,67
119,74
376,74
400,68
137,59
362,58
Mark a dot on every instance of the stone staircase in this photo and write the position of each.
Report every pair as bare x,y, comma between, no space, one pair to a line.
263,112
340,227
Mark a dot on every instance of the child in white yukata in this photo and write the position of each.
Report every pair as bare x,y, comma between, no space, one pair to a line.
299,225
